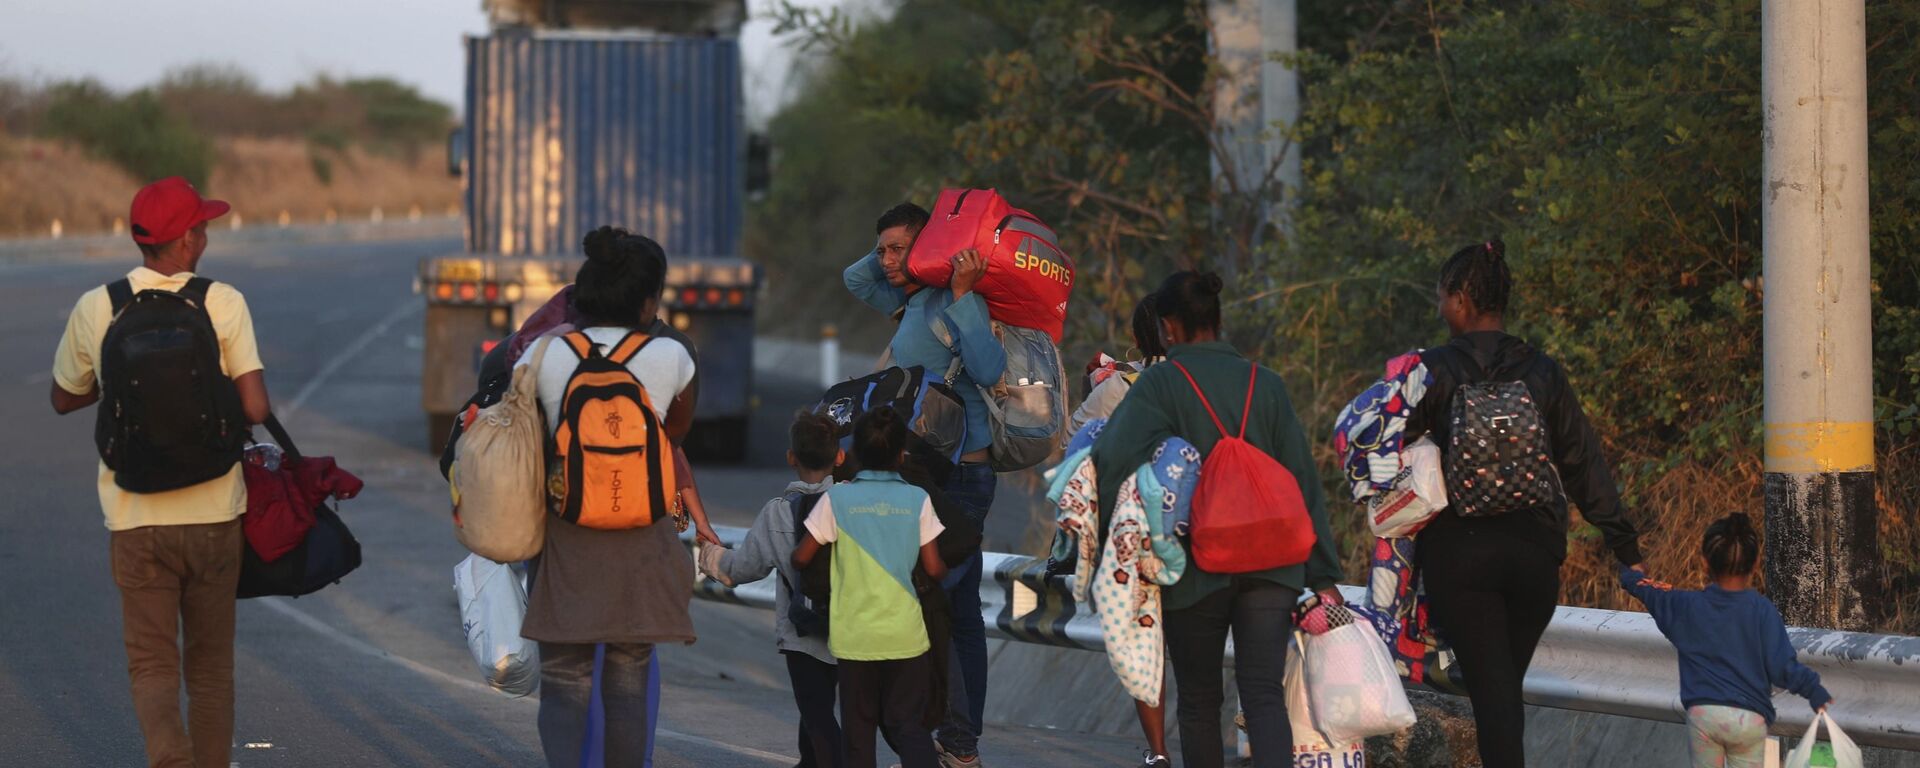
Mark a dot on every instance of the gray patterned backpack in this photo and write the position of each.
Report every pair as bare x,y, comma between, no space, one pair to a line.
1500,456
1027,407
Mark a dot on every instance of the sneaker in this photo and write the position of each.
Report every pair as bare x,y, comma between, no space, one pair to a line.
1150,760
951,760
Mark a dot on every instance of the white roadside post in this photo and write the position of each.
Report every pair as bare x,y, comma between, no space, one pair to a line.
829,356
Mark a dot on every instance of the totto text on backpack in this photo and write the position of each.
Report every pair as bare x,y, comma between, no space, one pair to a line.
169,416
1027,407
327,554
1248,512
1029,279
499,499
1499,456
612,465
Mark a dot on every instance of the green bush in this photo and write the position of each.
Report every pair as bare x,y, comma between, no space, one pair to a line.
136,132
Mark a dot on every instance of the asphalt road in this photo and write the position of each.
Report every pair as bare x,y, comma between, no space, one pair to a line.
372,672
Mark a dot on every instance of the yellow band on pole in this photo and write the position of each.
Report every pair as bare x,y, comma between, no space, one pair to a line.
1820,446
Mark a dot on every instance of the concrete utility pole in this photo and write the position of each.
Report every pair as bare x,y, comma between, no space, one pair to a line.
1257,94
1823,558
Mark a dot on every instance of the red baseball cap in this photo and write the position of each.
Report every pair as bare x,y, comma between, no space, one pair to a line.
164,210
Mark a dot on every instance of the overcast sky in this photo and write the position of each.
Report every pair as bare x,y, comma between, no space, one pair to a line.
129,43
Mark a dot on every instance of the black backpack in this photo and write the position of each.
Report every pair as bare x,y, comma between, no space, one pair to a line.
807,604
496,373
1499,457
169,416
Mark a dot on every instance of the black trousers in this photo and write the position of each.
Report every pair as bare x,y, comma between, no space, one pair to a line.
890,696
1259,613
1491,594
815,692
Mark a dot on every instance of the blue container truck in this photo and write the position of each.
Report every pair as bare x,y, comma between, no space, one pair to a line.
566,130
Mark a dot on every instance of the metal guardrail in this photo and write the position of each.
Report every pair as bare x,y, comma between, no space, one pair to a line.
1604,662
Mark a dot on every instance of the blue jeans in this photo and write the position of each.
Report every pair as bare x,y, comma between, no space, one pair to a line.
971,486
566,698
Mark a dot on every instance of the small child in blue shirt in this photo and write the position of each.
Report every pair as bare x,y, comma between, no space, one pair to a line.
1733,649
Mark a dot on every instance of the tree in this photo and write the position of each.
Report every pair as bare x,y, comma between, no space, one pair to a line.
1614,145
136,132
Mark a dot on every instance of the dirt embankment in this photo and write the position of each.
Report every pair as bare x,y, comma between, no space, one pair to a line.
43,181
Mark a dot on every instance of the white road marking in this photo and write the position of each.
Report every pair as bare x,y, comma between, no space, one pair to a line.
285,607
353,350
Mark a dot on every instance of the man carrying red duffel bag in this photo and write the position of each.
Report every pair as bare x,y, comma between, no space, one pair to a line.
959,312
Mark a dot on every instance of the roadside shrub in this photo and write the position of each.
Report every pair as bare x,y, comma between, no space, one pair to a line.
136,132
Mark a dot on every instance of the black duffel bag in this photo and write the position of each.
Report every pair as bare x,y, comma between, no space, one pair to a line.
325,556
930,407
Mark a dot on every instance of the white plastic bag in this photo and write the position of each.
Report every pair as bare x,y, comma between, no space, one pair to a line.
1352,684
1419,492
1845,753
493,604
1310,747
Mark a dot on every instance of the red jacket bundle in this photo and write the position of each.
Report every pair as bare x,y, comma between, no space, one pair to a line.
1028,277
280,503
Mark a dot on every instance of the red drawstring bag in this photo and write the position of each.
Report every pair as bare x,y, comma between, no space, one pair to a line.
1248,513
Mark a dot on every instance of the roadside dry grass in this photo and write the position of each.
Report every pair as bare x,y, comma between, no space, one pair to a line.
41,181
44,180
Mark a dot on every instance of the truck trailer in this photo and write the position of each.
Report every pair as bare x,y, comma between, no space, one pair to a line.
566,130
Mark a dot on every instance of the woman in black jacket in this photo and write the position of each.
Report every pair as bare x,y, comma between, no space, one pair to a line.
1492,570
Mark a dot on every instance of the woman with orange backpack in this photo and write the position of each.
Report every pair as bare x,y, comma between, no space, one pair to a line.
1245,573
612,579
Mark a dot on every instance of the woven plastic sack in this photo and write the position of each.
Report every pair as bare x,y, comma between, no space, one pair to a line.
493,605
1809,755
1351,682
1310,746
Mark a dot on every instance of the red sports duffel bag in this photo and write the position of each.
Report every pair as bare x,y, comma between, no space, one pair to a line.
1028,278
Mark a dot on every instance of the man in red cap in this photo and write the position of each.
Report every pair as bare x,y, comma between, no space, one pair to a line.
170,480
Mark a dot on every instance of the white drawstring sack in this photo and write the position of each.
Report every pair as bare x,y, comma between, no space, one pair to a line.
1845,753
493,605
1352,684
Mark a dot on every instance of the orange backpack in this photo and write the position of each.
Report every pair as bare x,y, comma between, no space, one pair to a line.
612,466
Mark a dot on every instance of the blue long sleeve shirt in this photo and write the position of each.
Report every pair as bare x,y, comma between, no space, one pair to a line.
982,359
1733,646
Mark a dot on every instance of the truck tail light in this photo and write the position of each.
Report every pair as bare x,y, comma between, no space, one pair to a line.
713,296
689,297
468,291
491,291
736,297
443,291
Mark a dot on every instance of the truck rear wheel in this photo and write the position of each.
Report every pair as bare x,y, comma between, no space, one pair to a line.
723,440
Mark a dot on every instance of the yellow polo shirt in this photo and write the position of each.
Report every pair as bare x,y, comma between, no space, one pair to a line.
215,501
